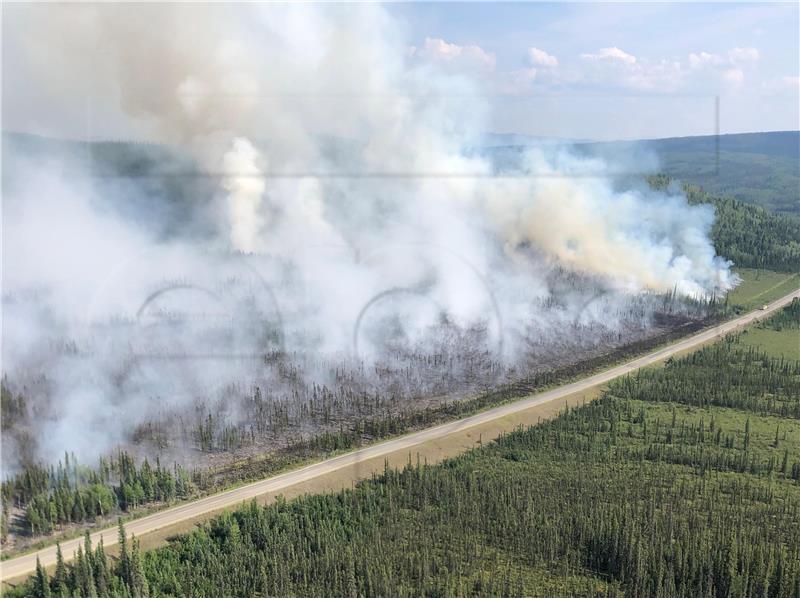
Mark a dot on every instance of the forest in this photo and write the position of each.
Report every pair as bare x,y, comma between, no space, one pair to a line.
751,236
760,169
357,407
49,499
667,485
72,493
255,248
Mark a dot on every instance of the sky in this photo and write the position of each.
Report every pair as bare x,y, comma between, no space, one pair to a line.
622,70
566,70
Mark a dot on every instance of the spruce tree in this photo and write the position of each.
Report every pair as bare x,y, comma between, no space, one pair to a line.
101,569
124,564
41,586
60,576
138,584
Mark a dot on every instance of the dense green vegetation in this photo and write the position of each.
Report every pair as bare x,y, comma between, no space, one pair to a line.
751,236
762,169
679,481
70,493
92,574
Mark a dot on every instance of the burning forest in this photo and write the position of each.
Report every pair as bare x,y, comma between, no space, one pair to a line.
302,239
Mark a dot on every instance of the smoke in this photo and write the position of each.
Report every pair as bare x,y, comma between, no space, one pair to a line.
635,238
245,193
349,223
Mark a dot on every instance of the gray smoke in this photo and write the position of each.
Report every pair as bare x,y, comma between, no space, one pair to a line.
333,213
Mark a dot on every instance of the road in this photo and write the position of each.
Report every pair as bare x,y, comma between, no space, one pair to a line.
26,564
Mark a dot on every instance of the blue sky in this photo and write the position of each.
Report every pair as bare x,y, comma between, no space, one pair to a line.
621,70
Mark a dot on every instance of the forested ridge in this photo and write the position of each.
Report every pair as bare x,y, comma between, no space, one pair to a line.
755,168
658,488
759,169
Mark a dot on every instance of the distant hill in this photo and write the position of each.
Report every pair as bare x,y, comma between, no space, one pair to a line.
756,168
511,139
776,143
152,185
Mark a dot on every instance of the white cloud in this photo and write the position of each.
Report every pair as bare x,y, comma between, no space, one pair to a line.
733,76
616,68
541,58
735,57
543,70
704,59
729,69
701,71
612,53
440,51
743,55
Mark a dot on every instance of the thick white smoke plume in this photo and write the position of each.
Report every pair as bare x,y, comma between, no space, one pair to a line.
245,187
341,201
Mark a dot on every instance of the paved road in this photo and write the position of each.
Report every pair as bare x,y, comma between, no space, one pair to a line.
26,564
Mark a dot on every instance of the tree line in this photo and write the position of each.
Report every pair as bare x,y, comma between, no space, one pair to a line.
72,493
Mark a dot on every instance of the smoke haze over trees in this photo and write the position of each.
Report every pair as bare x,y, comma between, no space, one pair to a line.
305,221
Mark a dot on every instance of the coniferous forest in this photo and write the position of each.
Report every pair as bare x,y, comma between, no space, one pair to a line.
47,498
52,498
504,300
682,480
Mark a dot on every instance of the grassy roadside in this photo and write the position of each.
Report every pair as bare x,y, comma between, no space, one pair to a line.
773,342
759,287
